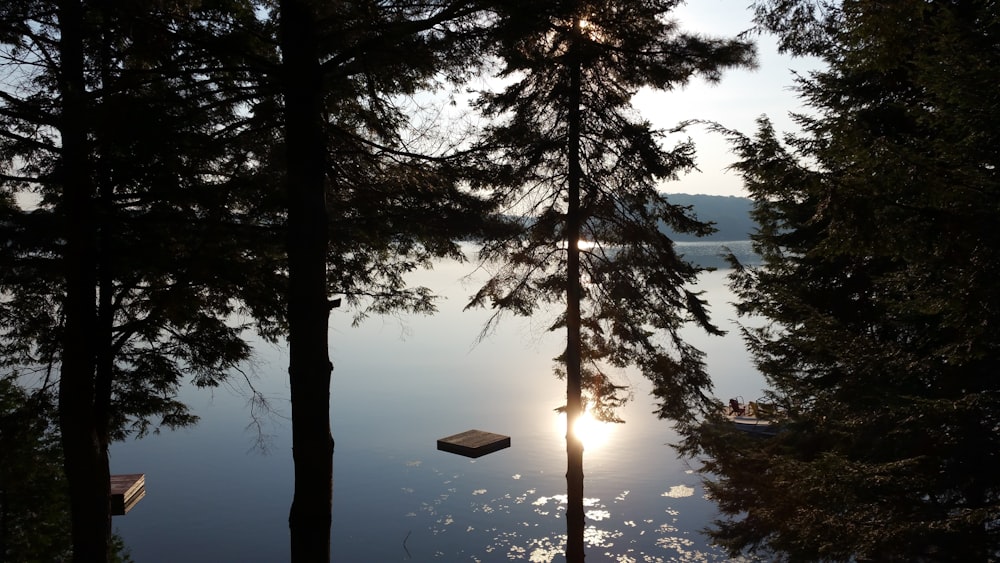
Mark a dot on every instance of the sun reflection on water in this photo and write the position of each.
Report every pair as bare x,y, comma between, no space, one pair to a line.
592,432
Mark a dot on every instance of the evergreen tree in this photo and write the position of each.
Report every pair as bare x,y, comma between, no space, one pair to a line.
165,196
879,287
123,264
583,171
362,209
34,504
34,523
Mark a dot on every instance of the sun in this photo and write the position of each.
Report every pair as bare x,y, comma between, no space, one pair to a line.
592,432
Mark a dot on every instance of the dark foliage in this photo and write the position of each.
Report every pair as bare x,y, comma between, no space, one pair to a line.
126,265
879,284
363,207
635,289
34,504
165,214
567,154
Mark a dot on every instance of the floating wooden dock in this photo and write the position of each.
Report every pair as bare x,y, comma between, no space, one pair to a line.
473,443
126,491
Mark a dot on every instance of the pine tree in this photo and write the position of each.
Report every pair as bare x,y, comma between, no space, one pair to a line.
362,209
583,171
123,268
34,525
878,285
34,504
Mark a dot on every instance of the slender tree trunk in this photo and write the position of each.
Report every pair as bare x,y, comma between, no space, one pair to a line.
309,366
575,521
3,517
86,458
104,351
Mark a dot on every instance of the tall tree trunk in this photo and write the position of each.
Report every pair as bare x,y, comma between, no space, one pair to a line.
86,455
309,366
4,515
104,350
575,521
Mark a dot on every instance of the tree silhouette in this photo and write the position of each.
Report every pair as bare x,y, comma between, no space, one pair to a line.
154,137
362,208
123,265
34,505
583,171
878,282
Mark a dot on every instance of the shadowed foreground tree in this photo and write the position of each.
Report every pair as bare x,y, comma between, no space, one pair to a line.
34,504
362,210
146,134
571,157
309,364
881,255
34,522
121,260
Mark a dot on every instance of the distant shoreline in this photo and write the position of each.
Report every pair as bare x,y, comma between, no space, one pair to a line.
729,214
711,253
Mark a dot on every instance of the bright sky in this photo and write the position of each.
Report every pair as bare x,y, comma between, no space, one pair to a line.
739,99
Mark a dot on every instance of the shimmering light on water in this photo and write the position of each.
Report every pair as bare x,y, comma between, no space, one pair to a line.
211,497
678,491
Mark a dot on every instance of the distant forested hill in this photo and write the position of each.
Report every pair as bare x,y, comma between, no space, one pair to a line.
730,214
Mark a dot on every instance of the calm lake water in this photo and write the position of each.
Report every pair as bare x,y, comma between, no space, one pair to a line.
214,494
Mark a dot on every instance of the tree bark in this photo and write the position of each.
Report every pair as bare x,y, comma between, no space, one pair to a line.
309,368
575,520
85,453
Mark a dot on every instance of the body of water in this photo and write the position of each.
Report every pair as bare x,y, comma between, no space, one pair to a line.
220,491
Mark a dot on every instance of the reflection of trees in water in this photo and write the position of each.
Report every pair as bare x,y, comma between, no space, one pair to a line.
34,506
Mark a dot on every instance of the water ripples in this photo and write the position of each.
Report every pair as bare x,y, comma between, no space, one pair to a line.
518,521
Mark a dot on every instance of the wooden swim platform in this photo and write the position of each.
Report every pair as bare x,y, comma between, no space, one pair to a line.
473,443
126,491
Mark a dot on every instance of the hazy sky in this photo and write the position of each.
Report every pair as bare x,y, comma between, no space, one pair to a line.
735,102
